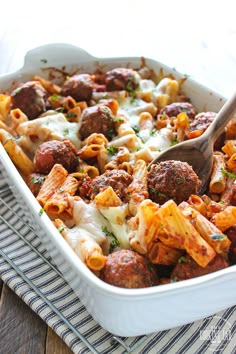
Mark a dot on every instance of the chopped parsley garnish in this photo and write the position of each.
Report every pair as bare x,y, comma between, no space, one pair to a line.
60,109
110,132
18,90
183,259
35,180
105,110
118,120
174,141
153,132
107,232
55,97
114,243
44,61
41,211
174,280
61,229
65,131
130,89
112,150
135,128
217,237
159,194
71,115
227,173
180,180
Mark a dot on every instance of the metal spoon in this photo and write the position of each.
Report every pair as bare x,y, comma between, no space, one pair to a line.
198,152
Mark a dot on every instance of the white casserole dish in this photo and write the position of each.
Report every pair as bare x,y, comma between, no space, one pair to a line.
124,312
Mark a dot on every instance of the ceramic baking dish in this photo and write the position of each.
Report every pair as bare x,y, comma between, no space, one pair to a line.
124,312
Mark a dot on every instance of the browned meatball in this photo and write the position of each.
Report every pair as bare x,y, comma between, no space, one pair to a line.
31,98
51,152
122,79
35,182
80,87
172,180
173,109
187,268
128,269
96,119
119,180
231,234
202,121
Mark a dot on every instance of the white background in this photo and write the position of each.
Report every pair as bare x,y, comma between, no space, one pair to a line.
196,37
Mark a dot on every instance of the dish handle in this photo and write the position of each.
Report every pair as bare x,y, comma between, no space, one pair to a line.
59,53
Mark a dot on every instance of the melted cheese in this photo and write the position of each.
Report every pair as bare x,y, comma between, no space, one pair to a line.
87,216
52,125
117,220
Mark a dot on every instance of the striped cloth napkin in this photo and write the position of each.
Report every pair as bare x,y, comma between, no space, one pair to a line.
55,302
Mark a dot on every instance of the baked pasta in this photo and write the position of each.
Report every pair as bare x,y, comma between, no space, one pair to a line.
83,146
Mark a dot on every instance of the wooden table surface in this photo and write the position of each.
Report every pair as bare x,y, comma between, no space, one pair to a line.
200,41
22,331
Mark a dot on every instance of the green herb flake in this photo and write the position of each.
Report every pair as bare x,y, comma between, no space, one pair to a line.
160,194
174,280
71,115
183,259
65,131
227,173
218,237
35,180
112,150
118,120
174,142
18,90
180,180
130,89
41,211
114,243
55,97
135,128
153,132
61,229
60,109
44,61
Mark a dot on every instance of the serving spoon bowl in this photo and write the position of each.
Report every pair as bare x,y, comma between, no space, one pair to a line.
198,152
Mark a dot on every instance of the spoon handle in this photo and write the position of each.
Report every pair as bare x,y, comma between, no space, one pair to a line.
222,118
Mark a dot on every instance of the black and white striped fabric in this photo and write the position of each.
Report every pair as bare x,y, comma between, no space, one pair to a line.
24,257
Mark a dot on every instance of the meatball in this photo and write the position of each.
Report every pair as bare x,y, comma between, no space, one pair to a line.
173,109
54,152
31,98
119,180
96,119
80,87
172,180
202,121
188,268
122,79
231,234
35,182
128,269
